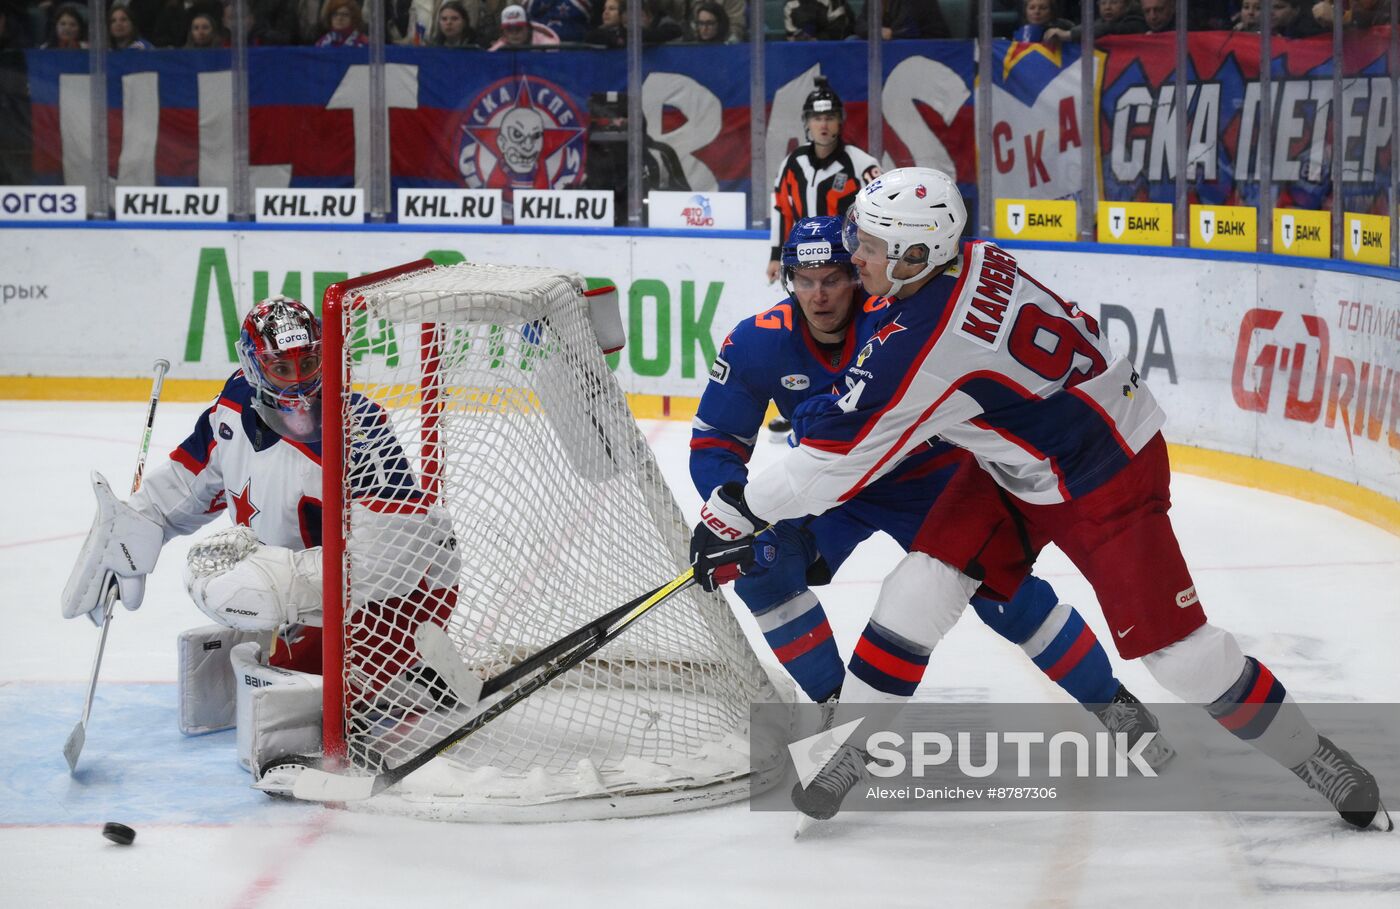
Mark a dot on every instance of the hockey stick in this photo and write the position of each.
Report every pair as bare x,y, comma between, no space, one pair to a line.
321,786
74,746
440,655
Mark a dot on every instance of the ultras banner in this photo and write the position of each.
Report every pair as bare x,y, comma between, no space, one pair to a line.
1139,110
476,119
1037,135
548,120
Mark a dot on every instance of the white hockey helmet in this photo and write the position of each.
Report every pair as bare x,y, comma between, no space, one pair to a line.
909,207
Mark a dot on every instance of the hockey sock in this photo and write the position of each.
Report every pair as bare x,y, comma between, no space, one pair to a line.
1056,638
801,639
1258,710
888,663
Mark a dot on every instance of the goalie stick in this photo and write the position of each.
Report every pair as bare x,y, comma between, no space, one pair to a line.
74,746
317,785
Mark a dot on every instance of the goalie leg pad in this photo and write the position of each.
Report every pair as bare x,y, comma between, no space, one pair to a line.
206,683
121,542
278,710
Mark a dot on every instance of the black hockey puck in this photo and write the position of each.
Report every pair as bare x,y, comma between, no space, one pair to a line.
120,834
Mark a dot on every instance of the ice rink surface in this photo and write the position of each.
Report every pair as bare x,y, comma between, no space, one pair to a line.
1313,593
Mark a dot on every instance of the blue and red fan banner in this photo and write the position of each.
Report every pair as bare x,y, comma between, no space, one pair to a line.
533,119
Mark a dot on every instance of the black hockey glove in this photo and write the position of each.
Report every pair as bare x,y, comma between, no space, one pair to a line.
722,546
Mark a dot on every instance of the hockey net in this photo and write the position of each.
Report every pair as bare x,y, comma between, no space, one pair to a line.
483,473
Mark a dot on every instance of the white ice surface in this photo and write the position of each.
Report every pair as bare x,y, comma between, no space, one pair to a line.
1314,593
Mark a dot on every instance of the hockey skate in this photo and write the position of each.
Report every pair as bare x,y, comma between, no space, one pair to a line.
821,798
1350,788
1126,714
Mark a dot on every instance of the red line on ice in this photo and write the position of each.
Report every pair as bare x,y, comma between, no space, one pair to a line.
269,879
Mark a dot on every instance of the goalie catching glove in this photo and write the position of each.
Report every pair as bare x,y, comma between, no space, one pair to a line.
239,582
723,546
122,547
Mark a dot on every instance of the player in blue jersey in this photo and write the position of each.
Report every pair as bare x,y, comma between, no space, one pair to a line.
980,353
795,353
256,454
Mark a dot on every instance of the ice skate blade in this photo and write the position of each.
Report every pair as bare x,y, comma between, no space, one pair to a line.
1381,822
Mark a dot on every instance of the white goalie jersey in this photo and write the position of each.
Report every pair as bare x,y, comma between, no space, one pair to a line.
233,462
272,485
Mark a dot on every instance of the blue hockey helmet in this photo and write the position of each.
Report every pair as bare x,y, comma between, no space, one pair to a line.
811,243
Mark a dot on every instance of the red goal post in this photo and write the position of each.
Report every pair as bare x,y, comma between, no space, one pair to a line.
338,299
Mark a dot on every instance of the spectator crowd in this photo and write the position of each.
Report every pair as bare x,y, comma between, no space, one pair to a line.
1042,20
478,24
497,24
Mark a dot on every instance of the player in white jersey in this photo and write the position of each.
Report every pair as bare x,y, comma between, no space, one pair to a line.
256,453
978,352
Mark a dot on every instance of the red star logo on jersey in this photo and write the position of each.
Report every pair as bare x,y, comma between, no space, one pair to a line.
728,339
243,508
884,333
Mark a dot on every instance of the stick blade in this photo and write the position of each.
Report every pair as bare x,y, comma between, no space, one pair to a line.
74,747
437,651
315,785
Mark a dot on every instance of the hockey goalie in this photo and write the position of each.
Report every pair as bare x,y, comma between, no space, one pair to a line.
256,453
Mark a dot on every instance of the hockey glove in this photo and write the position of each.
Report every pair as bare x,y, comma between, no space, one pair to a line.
121,547
806,414
239,582
722,547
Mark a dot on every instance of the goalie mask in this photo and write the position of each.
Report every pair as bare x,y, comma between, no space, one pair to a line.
280,352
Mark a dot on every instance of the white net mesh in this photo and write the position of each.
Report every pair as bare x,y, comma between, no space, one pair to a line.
497,485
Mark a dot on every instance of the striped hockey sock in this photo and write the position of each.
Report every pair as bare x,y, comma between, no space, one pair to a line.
801,639
1258,710
1069,653
890,664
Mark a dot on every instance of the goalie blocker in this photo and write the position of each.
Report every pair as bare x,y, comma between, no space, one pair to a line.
122,545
